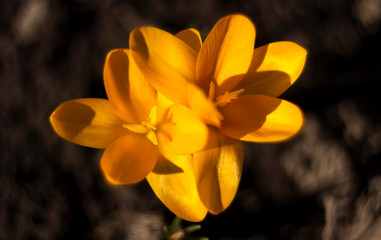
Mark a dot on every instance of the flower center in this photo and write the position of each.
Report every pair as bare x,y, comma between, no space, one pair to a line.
147,128
224,99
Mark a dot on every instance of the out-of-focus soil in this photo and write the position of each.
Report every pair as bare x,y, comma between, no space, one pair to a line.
323,184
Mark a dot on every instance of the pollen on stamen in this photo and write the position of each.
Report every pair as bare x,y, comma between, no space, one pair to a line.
212,91
136,128
151,135
147,128
227,97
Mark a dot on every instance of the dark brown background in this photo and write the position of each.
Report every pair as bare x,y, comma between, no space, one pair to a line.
324,184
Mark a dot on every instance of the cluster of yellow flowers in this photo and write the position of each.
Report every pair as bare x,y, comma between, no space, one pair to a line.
178,109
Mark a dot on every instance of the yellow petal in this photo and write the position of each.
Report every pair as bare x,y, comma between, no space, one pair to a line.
167,61
116,80
173,182
259,118
226,53
218,172
274,68
89,122
192,37
182,132
143,95
127,89
129,159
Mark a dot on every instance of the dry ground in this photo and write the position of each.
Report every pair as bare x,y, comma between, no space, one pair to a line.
324,184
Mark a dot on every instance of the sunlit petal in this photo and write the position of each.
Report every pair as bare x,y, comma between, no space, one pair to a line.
226,53
218,172
274,68
182,132
116,80
174,184
127,89
167,61
192,37
89,122
143,96
259,118
129,159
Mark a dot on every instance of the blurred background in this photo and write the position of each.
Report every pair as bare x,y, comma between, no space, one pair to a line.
324,184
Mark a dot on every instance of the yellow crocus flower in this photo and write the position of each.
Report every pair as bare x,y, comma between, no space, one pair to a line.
233,87
137,127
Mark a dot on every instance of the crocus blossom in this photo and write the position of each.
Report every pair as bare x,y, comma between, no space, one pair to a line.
136,125
231,86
